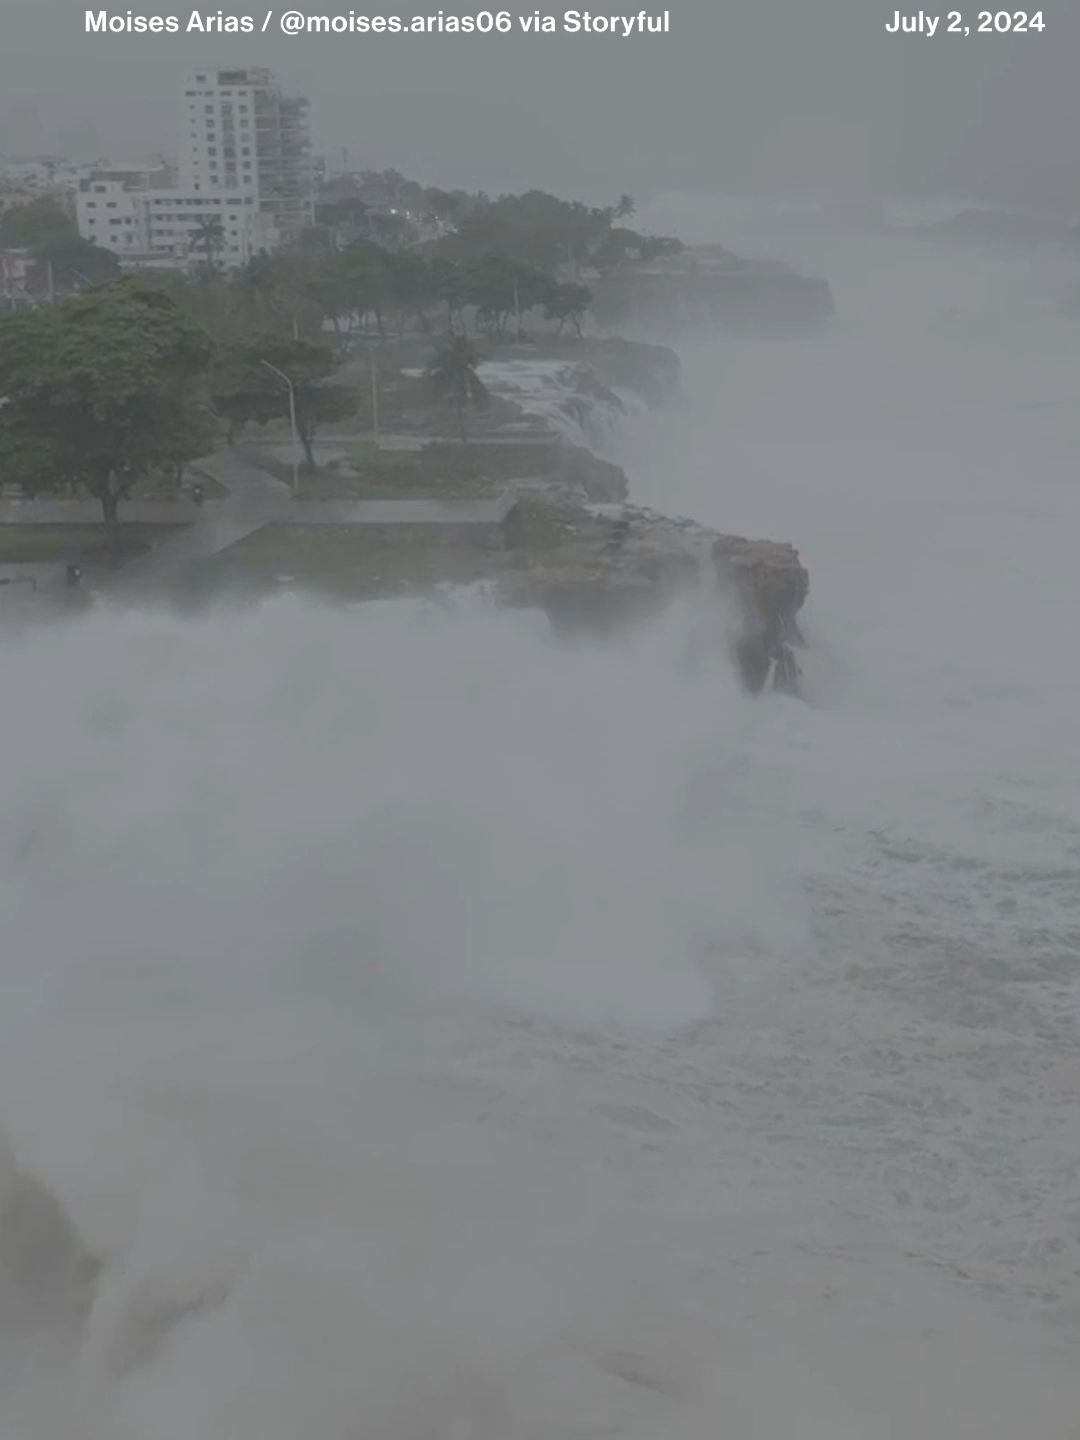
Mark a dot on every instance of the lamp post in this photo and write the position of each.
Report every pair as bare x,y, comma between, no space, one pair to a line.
292,425
374,396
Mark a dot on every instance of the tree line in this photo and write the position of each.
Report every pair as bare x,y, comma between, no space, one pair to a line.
125,375
366,288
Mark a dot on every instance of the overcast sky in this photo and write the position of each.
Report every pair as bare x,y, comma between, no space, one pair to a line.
739,96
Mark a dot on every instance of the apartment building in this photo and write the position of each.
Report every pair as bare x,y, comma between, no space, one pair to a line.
140,223
244,135
245,161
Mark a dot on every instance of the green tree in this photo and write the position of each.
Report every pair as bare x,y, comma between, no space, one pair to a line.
452,376
534,229
569,302
342,210
274,292
99,390
409,287
500,287
53,239
208,236
442,205
364,271
623,247
448,287
246,391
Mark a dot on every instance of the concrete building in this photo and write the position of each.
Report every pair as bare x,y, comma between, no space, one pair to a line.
21,279
26,179
245,161
244,135
148,226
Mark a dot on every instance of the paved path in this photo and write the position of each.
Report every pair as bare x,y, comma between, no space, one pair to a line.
88,512
493,511
419,442
255,499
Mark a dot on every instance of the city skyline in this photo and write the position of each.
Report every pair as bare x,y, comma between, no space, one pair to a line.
762,97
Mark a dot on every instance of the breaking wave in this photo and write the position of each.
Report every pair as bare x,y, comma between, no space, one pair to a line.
258,868
566,396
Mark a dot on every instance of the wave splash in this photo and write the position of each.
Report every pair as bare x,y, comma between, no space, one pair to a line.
265,874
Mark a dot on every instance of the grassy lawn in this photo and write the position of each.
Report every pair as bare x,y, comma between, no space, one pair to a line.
346,564
357,563
441,471
71,543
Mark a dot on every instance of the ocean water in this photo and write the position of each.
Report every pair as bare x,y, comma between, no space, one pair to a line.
415,1029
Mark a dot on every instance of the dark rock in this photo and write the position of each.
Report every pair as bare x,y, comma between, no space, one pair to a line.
597,480
614,575
767,583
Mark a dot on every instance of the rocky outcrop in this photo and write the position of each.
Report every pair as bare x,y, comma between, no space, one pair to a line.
582,473
768,585
614,571
652,372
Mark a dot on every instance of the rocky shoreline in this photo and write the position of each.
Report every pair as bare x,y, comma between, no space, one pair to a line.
529,508
617,566
619,562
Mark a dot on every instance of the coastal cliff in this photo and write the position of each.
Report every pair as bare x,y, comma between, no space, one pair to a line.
616,568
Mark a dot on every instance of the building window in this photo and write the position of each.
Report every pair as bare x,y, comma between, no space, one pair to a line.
211,150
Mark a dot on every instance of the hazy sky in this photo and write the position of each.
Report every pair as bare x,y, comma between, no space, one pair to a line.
739,96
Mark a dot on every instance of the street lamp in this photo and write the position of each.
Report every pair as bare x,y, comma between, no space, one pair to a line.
374,395
292,425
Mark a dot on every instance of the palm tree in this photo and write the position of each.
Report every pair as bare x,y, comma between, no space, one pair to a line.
624,209
452,376
209,237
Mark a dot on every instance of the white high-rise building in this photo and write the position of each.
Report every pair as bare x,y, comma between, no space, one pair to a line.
245,161
243,135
